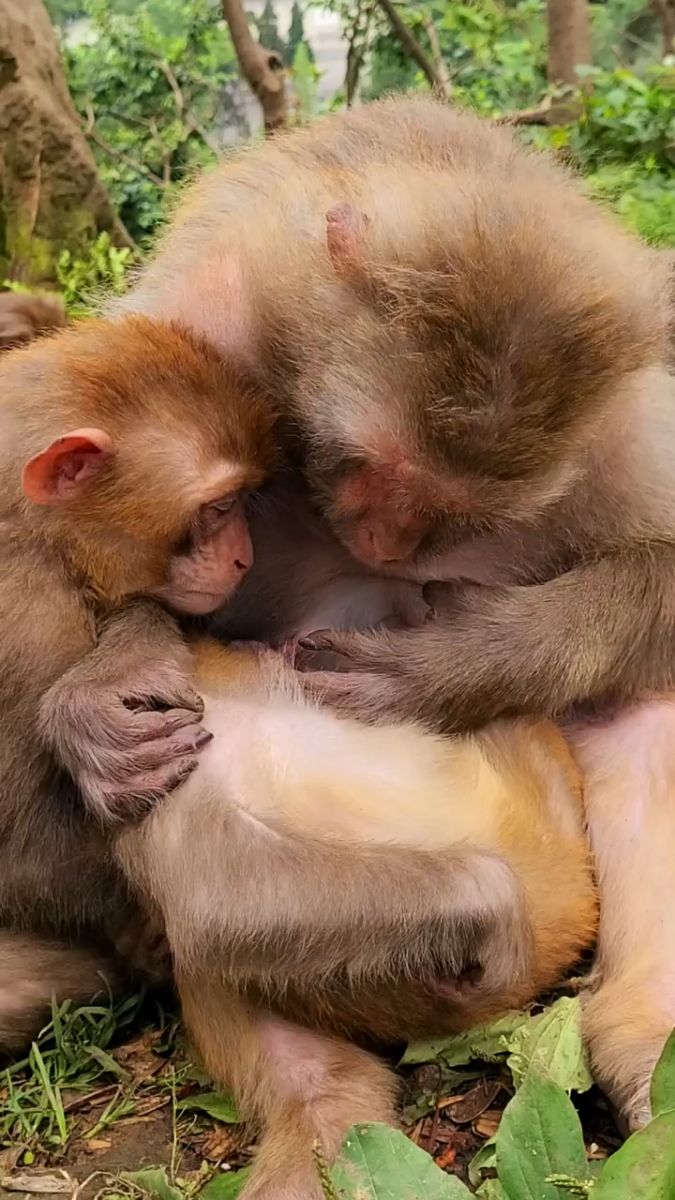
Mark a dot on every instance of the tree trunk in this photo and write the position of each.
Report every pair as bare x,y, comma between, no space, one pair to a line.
569,40
51,197
263,69
665,11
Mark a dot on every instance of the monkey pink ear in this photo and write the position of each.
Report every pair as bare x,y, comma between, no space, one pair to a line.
60,471
346,229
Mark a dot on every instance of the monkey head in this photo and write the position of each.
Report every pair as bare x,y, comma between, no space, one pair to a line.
137,445
472,365
24,317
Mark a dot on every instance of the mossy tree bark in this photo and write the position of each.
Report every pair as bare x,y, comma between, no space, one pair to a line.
51,197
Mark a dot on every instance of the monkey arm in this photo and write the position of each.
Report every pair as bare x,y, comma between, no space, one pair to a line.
124,722
604,630
274,907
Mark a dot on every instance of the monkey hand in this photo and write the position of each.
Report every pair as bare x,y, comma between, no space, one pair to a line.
366,688
125,722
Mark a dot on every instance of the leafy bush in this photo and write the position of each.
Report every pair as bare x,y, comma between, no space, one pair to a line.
627,118
152,87
103,271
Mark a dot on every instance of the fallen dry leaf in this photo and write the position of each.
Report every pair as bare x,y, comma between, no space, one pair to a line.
138,1057
61,1183
470,1106
487,1125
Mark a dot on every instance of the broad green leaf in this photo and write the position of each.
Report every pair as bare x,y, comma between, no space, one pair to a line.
214,1104
552,1044
644,1167
491,1189
225,1186
154,1181
663,1080
539,1135
488,1042
379,1163
485,1159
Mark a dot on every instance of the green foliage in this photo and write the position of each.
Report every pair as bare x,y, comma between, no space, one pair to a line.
305,79
70,1054
103,271
378,1163
151,85
494,50
627,118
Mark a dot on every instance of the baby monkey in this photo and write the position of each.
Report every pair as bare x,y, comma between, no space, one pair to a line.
124,456
316,878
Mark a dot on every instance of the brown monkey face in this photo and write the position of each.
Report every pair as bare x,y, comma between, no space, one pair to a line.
375,517
218,553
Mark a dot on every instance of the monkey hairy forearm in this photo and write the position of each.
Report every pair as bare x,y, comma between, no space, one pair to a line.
125,720
602,632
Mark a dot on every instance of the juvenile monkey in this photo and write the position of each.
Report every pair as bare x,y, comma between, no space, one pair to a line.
24,317
113,484
294,811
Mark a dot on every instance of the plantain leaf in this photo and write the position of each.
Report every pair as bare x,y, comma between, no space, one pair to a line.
539,1135
212,1103
379,1163
663,1080
644,1167
553,1045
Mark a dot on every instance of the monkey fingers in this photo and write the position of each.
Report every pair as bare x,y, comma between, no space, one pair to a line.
375,699
132,799
123,758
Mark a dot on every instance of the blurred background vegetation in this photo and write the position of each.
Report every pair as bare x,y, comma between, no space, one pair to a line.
151,91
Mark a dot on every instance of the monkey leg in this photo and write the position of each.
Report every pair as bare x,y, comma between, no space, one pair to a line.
302,1088
629,1009
35,970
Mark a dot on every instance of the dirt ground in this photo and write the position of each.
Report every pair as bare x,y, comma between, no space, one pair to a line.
151,1117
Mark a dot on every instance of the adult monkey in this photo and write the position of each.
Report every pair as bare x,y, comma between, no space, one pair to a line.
452,424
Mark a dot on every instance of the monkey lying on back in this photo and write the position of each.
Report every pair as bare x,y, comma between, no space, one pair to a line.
317,871
293,811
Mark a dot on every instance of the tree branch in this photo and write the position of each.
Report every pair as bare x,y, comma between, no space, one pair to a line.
440,64
263,69
138,168
412,47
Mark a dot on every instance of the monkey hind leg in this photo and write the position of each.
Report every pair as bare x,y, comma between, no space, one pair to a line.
626,1029
629,1010
302,1088
35,970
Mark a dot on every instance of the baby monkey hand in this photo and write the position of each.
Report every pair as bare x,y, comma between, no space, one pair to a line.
125,722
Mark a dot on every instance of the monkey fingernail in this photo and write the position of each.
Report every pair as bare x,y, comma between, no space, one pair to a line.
316,641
